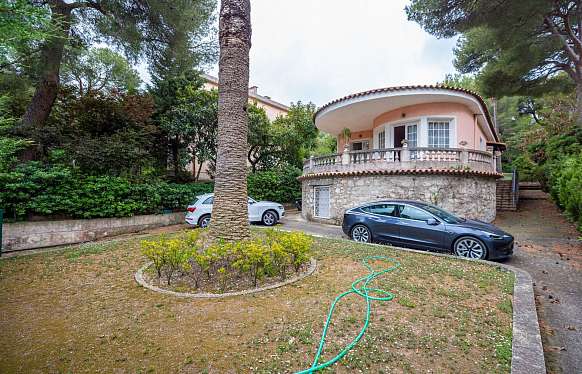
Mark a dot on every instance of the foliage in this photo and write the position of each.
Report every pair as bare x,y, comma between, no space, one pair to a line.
271,255
496,38
188,117
280,185
566,187
103,134
36,189
295,134
98,70
325,144
263,147
9,146
21,23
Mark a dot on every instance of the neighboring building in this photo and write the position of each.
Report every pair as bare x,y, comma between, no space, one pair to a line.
431,143
272,108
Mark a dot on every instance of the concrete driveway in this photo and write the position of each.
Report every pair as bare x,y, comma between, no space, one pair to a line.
548,248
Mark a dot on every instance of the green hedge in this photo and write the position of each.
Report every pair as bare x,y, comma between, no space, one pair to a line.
566,187
280,186
44,190
57,190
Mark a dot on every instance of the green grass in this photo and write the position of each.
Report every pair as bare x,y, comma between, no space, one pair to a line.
79,310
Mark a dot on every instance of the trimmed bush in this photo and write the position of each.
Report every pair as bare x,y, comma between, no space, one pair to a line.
280,186
34,189
274,254
566,187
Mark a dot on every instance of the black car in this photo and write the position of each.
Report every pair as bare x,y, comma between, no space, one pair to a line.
419,225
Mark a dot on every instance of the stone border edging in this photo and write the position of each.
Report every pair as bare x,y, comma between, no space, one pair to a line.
527,352
139,278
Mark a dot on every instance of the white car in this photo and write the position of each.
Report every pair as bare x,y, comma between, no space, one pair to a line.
267,212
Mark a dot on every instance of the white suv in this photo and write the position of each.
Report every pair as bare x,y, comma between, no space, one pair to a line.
267,212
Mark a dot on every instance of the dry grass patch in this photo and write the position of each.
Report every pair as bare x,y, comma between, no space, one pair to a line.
79,310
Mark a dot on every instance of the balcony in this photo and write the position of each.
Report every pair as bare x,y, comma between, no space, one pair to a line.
402,159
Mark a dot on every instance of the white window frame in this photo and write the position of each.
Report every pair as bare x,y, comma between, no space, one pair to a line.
316,192
421,130
452,128
361,140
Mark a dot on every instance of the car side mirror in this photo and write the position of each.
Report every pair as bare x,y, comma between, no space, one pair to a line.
432,222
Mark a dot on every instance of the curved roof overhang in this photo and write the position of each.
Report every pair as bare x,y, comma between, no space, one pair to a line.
358,111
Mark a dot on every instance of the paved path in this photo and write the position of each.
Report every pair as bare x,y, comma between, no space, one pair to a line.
547,248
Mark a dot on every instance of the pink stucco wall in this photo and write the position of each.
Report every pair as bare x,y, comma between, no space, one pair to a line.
468,130
355,136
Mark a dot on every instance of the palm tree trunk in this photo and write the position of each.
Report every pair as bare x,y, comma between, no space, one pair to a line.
230,210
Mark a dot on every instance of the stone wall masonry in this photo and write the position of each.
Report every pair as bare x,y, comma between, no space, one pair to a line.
30,235
465,195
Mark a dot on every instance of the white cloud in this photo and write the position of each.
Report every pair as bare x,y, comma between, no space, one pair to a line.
319,50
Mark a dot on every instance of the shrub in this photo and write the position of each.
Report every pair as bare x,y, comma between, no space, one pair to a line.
281,185
566,187
270,255
33,188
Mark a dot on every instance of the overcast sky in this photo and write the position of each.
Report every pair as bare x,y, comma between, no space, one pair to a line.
320,50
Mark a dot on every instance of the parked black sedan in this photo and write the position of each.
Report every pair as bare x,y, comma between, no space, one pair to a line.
423,226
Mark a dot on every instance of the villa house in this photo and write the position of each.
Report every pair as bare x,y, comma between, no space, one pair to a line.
431,143
272,108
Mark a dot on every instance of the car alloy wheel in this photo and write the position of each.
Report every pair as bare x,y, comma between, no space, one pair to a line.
470,248
361,233
269,218
204,221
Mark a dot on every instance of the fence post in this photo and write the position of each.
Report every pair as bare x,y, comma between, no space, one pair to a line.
346,155
405,152
465,157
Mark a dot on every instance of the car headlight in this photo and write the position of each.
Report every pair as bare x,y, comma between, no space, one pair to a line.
493,235
280,207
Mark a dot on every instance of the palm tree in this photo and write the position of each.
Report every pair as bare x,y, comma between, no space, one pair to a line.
230,210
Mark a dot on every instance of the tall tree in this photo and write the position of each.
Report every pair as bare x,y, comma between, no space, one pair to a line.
142,28
230,219
99,70
517,47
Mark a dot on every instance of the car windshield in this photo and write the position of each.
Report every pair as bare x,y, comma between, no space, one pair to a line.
442,214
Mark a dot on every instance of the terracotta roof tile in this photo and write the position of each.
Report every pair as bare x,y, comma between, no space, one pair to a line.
401,172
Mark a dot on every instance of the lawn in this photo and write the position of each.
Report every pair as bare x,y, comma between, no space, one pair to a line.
79,310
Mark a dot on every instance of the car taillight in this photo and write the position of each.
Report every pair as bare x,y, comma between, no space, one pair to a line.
191,209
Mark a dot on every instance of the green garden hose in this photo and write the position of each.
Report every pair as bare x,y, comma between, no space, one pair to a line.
363,292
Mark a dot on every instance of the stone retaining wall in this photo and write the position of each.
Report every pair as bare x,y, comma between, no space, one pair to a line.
468,196
39,234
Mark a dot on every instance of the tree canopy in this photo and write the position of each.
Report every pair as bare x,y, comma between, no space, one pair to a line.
516,47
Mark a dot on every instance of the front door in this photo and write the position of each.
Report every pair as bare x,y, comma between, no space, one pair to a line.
399,136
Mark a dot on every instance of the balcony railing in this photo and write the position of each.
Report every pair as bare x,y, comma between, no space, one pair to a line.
402,158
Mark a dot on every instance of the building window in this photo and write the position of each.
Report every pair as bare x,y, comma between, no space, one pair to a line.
363,145
412,135
438,134
382,139
321,201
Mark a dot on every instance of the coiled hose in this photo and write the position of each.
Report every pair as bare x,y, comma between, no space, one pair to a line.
362,291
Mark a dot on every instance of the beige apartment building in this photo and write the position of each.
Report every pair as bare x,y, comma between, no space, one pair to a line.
272,108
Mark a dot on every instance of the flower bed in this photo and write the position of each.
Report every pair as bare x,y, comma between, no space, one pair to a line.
190,263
